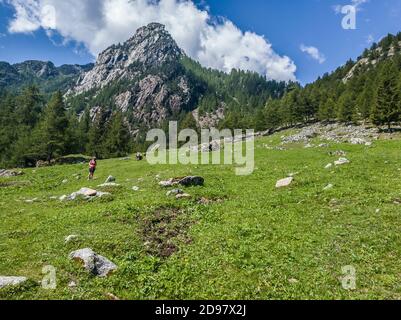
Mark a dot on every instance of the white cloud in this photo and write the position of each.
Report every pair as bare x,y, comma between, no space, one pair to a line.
100,23
355,3
314,53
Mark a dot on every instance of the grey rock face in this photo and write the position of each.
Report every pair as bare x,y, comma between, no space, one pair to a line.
94,263
11,281
149,94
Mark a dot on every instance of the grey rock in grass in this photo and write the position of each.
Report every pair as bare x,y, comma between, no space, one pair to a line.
71,238
10,173
110,179
11,281
328,187
284,182
330,165
108,184
174,192
341,161
192,181
94,263
358,141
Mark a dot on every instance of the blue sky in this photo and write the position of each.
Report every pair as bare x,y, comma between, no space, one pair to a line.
286,24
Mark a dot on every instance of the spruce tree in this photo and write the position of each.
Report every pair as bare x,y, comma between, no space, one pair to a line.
118,138
51,133
346,109
387,107
96,134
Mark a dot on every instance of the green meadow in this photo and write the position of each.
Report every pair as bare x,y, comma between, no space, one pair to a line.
237,237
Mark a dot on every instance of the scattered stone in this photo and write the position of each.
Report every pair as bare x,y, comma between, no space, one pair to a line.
11,281
10,173
328,166
378,210
186,182
94,263
85,193
135,188
182,196
71,238
110,179
108,184
358,141
341,161
174,192
192,181
102,194
308,146
167,183
31,200
328,187
338,153
53,198
112,297
64,181
293,281
368,144
284,182
72,284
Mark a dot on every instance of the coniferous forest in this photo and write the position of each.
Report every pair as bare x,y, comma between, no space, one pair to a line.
36,125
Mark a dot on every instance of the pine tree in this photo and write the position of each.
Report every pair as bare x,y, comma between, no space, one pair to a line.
30,104
327,110
83,130
118,139
387,107
273,114
346,110
97,133
51,133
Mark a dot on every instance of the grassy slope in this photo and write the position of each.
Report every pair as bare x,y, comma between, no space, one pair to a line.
248,246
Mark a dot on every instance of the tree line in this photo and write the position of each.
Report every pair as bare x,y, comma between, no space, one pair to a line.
367,91
32,129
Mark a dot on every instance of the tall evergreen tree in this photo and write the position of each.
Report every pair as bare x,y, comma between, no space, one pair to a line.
387,108
97,133
117,141
52,131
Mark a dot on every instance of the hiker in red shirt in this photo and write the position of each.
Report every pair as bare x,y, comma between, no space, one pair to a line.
92,168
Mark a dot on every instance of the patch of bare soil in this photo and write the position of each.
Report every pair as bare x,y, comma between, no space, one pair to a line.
164,230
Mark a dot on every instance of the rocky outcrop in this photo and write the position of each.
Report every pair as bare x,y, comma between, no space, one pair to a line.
146,65
93,263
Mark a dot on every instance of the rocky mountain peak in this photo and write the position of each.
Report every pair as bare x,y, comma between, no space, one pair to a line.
151,47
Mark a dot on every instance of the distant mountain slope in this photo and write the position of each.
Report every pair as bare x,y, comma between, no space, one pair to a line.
44,74
368,89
